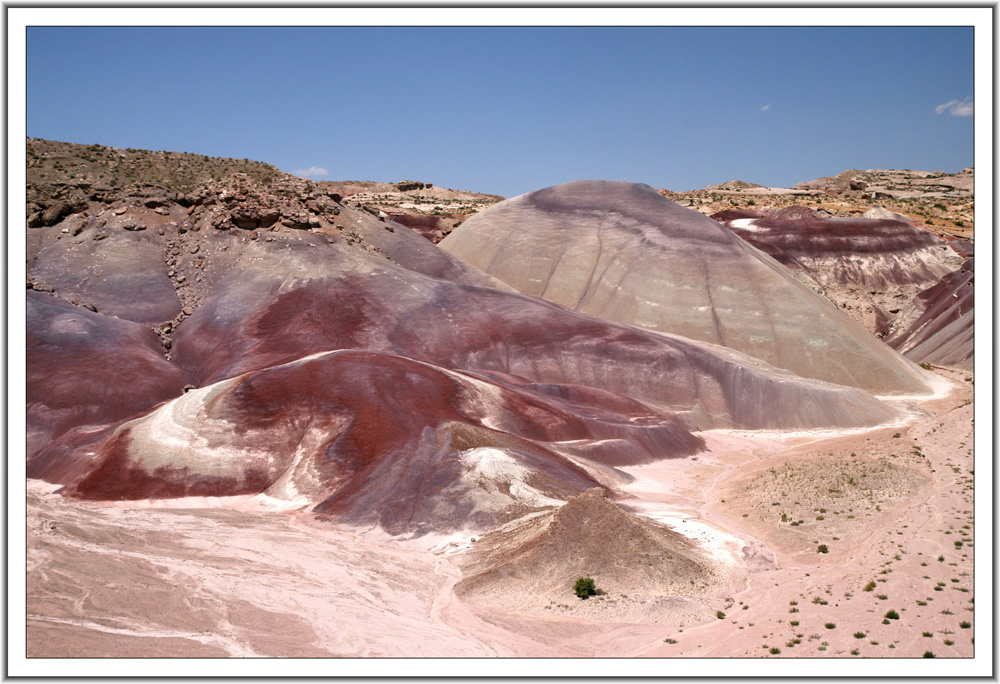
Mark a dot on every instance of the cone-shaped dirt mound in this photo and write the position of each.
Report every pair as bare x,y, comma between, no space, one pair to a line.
625,554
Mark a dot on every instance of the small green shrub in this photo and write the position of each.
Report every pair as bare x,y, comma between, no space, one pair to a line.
965,625
925,365
584,587
822,549
774,650
830,625
860,635
870,586
892,615
719,614
928,654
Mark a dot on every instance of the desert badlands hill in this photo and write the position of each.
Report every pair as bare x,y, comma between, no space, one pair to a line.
267,417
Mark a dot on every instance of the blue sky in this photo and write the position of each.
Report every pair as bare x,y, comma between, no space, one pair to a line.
510,110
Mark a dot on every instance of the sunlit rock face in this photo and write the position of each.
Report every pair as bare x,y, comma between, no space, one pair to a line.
83,368
622,252
270,312
374,438
938,326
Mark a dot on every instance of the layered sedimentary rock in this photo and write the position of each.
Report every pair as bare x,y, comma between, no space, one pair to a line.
301,301
870,266
938,327
867,252
373,439
84,368
623,252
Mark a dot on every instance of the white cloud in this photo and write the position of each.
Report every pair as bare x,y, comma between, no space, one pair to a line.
311,172
957,107
765,108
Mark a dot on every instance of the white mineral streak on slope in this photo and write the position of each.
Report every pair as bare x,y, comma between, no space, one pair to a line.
745,224
299,475
179,434
488,468
171,424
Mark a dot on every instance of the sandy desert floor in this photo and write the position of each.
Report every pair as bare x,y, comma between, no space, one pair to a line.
892,507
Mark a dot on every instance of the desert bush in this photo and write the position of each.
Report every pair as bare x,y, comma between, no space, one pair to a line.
822,549
584,587
892,615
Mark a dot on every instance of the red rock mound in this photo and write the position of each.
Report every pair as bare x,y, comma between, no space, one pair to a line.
372,439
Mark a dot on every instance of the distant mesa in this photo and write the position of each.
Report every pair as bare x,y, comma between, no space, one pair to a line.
893,183
623,252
